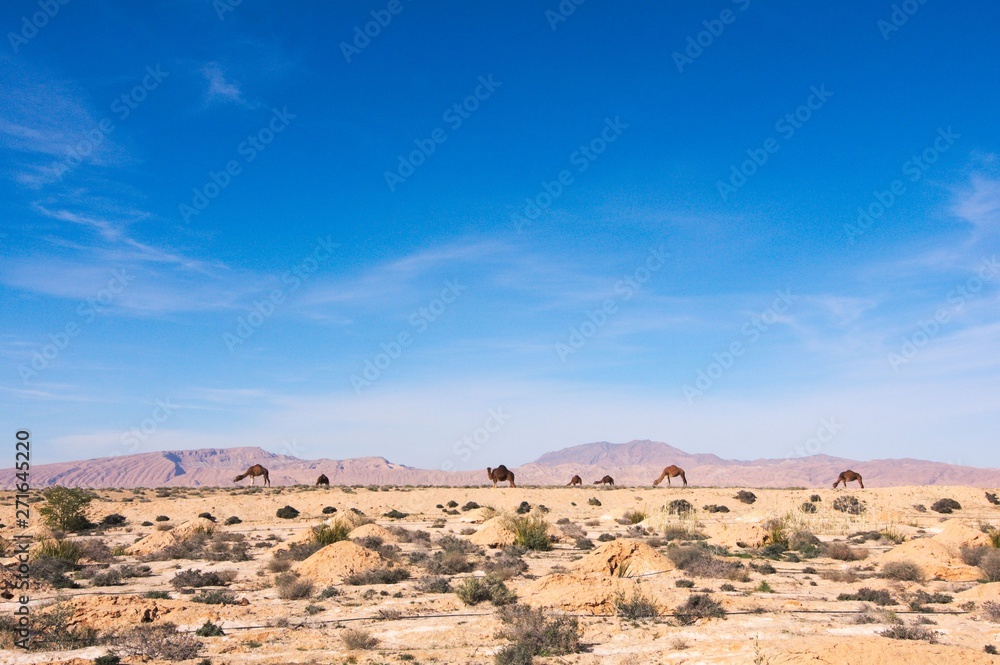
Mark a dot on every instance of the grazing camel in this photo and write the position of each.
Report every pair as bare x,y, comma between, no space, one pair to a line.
253,472
671,472
848,476
322,480
606,480
500,474
575,480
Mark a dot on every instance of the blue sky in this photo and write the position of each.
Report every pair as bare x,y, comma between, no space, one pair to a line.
484,231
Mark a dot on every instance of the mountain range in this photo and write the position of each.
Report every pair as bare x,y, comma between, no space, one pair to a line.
632,463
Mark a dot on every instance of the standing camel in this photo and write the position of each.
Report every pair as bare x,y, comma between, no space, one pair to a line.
500,474
848,476
253,472
575,480
606,480
671,472
322,480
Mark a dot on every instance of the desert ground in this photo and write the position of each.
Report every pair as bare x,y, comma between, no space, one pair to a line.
433,575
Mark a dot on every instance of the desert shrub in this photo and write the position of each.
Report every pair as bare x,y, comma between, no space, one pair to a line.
632,517
475,590
109,659
156,595
679,507
764,587
880,597
920,508
111,577
226,547
606,537
395,514
805,543
471,505
113,520
434,585
990,565
698,606
635,608
992,498
287,513
869,614
990,649
209,629
230,521
583,543
146,523
329,592
162,518
292,587
849,576
54,548
192,578
848,504
904,632
207,516
52,629
946,506
327,534
358,639
532,633
715,508
214,597
531,533
698,561
328,510
902,571
727,587
745,496
593,501
990,611
844,552
764,568
815,498
377,576
506,564
449,562
523,508
684,584
53,570
808,507
66,508
156,641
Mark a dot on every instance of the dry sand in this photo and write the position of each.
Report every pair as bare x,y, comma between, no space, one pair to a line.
788,616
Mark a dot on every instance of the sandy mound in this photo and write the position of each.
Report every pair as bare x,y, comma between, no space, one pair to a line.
981,593
333,563
935,559
858,650
593,594
157,540
956,535
623,558
372,529
739,535
493,533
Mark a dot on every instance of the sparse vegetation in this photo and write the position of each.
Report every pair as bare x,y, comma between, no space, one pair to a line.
532,633
880,597
292,587
531,533
358,639
848,504
156,641
902,571
327,534
745,496
844,552
395,514
698,606
715,508
679,507
287,513
904,632
990,566
808,507
378,576
946,506
593,501
66,508
636,607
475,590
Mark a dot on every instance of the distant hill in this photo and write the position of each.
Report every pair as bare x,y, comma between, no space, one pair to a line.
632,463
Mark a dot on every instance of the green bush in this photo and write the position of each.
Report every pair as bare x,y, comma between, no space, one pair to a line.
635,608
531,533
209,629
66,508
327,534
378,576
475,590
902,571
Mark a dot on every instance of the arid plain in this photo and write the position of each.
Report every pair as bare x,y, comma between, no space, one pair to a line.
437,574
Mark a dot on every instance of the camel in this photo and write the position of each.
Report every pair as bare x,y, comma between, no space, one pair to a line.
575,480
671,472
253,472
322,480
848,476
606,480
500,474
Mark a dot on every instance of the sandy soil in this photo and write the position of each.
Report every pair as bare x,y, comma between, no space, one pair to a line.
794,617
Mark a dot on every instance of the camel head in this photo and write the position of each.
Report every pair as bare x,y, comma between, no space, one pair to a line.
489,473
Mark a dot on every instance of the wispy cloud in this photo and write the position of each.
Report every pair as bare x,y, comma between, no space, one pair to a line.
222,90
